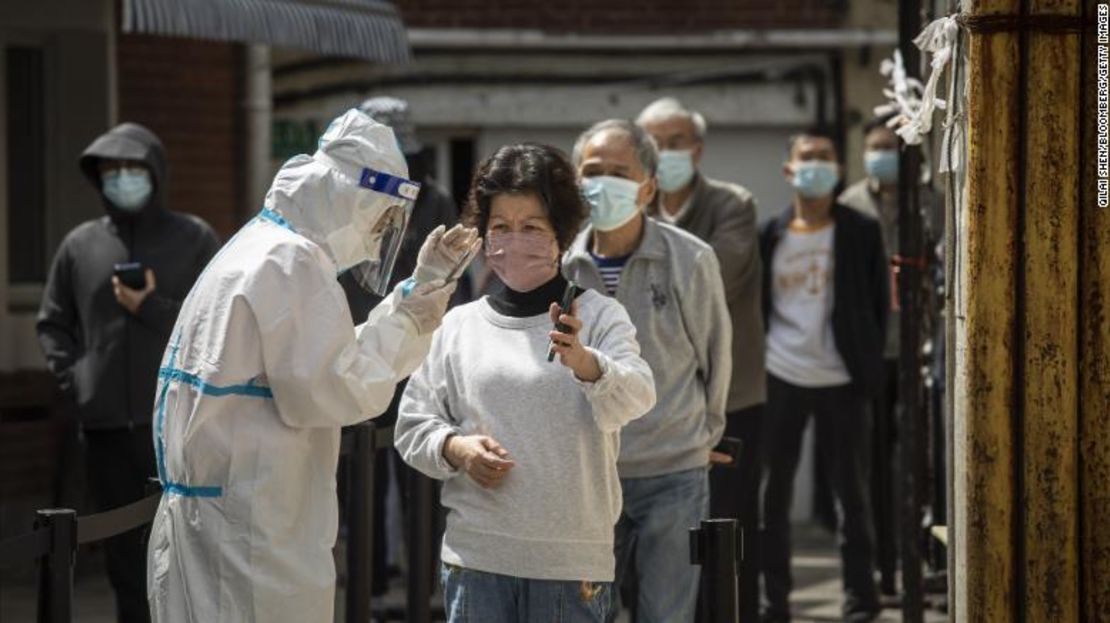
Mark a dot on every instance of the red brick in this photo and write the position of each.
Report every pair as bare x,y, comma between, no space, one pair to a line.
188,93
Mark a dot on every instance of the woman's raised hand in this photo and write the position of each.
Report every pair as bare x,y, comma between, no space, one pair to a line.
570,350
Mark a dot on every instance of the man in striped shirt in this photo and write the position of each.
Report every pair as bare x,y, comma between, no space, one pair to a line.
670,284
610,269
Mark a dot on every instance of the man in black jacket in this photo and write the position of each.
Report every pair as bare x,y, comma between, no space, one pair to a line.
825,301
103,340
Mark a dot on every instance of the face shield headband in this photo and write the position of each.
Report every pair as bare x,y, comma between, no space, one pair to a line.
367,248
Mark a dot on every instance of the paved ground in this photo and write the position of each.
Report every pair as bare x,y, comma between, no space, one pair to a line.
816,568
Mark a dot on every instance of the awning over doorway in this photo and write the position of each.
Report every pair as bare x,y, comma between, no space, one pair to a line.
368,29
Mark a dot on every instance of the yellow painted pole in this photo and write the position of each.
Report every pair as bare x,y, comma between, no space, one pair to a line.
984,375
1048,508
1094,362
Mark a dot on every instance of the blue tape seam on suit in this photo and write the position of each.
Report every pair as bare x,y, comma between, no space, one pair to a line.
170,375
269,215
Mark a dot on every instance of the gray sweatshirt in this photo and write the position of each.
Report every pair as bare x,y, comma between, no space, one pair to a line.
672,289
724,216
552,516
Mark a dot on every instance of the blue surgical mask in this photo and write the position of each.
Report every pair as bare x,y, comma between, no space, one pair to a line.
128,189
815,178
612,201
676,169
882,165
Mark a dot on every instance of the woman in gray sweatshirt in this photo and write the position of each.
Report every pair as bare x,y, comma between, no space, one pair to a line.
527,448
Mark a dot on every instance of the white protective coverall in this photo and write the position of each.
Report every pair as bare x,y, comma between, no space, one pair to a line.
263,368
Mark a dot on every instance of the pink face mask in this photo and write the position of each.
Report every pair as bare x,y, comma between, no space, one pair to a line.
523,261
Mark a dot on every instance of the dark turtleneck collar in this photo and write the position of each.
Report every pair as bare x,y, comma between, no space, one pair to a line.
508,302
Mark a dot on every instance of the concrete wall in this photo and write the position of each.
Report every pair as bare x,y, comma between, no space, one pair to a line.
497,99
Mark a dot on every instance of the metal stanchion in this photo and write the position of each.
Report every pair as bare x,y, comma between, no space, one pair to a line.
360,518
715,547
55,598
419,547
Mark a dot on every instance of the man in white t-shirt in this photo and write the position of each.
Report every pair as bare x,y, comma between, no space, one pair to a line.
825,301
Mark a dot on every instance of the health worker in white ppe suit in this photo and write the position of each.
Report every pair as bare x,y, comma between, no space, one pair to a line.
263,368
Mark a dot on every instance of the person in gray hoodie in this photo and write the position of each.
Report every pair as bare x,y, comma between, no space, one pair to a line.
104,341
527,446
670,283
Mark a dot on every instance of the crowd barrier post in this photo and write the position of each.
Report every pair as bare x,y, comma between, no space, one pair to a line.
715,546
55,595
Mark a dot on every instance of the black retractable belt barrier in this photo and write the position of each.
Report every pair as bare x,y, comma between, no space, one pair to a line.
360,520
111,523
55,597
361,445
53,544
716,547
420,547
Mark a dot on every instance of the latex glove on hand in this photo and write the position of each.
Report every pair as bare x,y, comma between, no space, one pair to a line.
445,253
425,303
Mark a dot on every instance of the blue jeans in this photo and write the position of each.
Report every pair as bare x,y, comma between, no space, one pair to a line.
653,542
478,597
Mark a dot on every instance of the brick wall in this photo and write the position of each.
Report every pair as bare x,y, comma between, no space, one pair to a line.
622,16
188,93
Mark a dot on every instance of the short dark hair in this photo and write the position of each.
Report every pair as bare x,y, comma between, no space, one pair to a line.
878,122
815,132
530,169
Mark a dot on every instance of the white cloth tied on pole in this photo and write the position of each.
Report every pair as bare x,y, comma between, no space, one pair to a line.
913,101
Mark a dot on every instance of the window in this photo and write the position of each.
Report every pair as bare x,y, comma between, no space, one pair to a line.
26,162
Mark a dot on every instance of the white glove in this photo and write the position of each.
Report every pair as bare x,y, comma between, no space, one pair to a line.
425,304
446,253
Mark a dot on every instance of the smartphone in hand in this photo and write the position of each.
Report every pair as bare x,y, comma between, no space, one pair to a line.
131,274
564,308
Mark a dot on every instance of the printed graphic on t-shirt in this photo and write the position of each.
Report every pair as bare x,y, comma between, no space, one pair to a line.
805,273
801,348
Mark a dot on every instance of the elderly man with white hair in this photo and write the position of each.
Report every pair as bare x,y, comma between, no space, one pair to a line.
723,215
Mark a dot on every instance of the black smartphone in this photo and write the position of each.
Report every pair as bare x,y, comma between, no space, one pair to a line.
564,308
732,447
131,274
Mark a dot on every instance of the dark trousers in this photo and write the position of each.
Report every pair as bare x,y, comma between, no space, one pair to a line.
884,490
734,493
118,464
843,427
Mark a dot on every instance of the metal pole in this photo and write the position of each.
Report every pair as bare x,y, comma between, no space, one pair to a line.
258,113
419,547
911,384
360,520
55,598
715,547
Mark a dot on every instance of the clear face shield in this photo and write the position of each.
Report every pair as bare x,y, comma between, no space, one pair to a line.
367,248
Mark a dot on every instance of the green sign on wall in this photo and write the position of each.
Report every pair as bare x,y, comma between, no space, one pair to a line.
290,137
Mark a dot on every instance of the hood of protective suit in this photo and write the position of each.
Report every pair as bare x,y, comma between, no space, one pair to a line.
128,141
324,193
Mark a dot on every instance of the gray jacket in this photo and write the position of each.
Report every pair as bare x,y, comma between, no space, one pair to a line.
864,197
671,287
724,215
